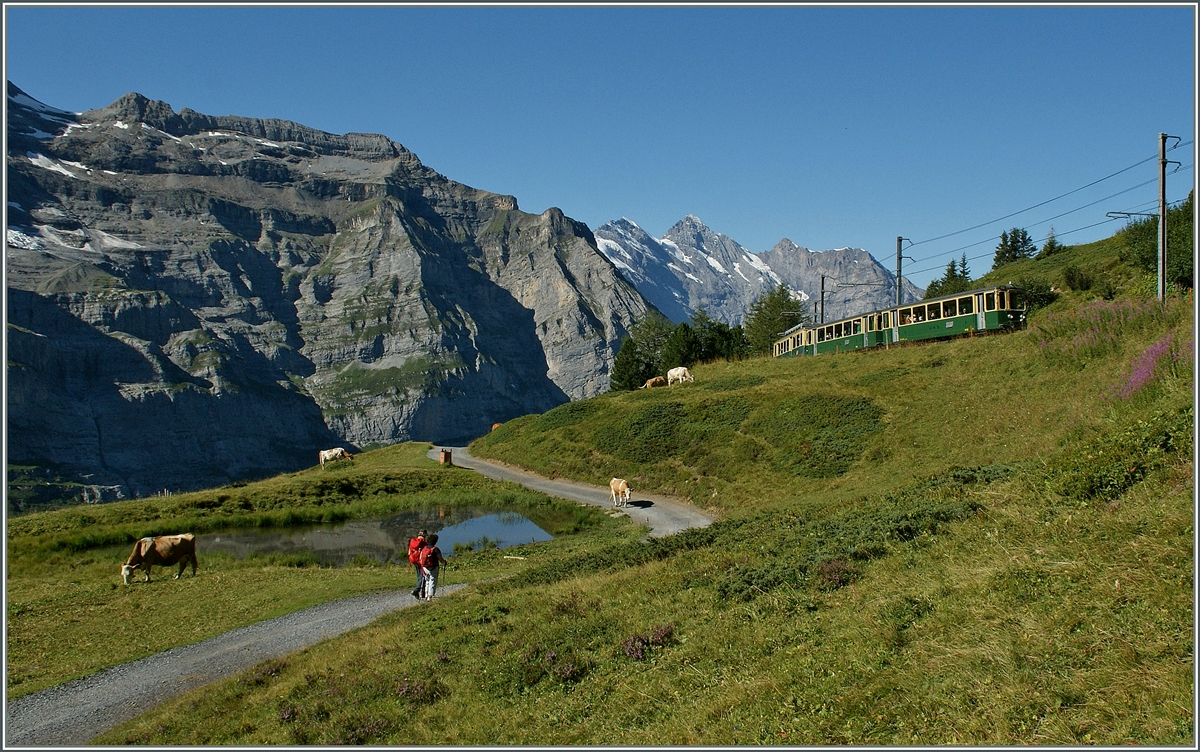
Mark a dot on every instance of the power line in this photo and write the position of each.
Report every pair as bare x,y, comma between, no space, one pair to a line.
1040,222
1043,203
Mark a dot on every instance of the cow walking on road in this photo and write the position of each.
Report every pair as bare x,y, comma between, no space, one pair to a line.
161,551
620,492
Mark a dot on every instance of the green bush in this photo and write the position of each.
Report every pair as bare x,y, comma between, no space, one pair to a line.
817,436
1106,467
647,434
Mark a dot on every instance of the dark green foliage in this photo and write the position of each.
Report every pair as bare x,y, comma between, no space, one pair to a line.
1037,294
1140,241
789,551
566,414
1076,279
1051,246
645,435
773,313
717,339
1014,246
682,348
956,279
817,436
1108,466
640,355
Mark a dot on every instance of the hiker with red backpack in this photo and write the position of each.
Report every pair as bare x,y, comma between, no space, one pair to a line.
414,558
430,559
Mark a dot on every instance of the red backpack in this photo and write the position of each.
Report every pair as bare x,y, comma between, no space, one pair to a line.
428,557
414,549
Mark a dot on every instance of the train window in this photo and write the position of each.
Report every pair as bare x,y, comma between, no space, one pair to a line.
829,332
906,316
989,301
1015,301
1000,302
887,320
934,311
857,326
965,306
837,330
949,309
820,335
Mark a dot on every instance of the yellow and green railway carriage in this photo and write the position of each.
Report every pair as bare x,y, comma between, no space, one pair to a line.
989,309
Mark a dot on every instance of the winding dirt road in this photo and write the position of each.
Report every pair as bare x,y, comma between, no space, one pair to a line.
72,714
664,515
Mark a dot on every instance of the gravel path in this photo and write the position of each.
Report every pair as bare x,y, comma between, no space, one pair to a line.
664,515
72,714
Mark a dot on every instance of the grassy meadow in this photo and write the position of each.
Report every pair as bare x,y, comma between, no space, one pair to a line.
984,541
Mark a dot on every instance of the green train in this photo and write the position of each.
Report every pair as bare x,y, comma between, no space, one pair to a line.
989,309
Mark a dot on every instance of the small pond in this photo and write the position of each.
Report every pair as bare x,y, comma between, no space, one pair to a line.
384,540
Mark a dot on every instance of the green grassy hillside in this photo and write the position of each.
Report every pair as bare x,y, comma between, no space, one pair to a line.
980,541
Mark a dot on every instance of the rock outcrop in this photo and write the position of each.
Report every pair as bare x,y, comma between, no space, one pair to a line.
196,299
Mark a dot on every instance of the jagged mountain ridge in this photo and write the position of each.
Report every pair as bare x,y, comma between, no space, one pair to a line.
694,267
198,299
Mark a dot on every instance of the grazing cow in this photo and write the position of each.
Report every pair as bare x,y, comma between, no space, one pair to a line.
656,381
620,492
496,425
329,455
161,551
679,374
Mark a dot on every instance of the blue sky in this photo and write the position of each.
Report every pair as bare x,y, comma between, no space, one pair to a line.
831,126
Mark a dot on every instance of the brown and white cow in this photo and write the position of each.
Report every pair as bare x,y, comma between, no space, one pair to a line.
679,374
329,455
496,425
620,492
653,382
161,551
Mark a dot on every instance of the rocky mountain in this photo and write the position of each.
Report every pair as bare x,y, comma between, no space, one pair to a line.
692,267
194,300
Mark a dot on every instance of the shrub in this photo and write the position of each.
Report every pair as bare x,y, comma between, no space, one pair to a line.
647,434
1106,467
1076,279
817,436
639,646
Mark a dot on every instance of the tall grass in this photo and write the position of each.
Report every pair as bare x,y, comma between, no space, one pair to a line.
990,554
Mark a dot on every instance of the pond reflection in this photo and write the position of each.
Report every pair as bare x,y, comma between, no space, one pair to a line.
384,540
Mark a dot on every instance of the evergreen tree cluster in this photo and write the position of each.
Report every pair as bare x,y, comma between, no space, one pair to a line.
772,314
956,279
655,346
1014,246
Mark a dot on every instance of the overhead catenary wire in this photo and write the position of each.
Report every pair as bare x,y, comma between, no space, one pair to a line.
959,249
1047,201
1109,220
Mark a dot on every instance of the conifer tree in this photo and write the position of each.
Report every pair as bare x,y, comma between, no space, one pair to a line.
1014,246
773,313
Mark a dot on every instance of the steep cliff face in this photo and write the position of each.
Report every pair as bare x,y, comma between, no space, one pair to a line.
197,299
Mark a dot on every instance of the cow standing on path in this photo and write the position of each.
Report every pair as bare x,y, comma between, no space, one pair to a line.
620,492
161,551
